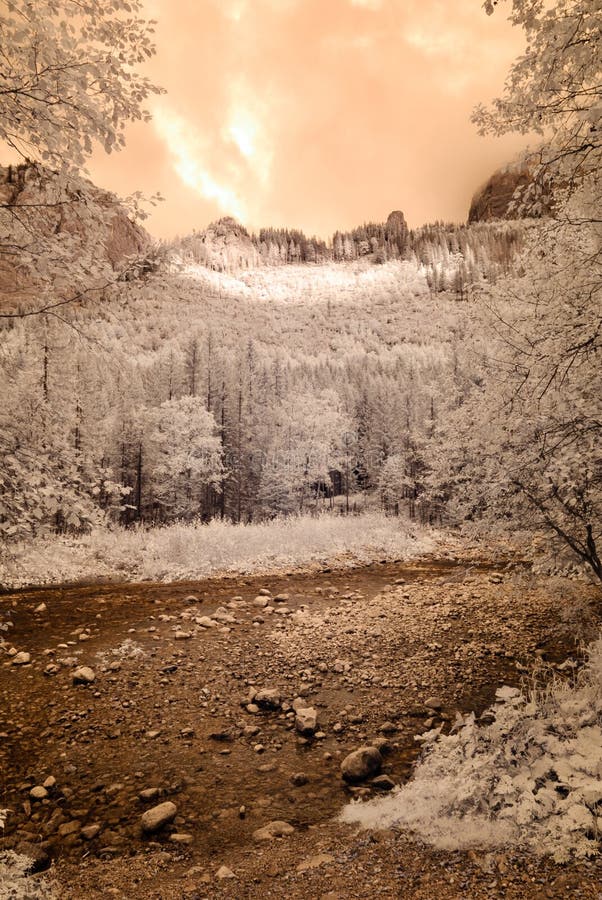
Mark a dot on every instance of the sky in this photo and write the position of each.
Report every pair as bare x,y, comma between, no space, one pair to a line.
315,114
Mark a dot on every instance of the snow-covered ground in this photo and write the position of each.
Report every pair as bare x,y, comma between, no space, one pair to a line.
181,552
532,778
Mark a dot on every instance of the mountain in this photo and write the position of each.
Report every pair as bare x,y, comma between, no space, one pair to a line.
493,200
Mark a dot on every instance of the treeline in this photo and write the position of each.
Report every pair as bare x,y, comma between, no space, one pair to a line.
130,415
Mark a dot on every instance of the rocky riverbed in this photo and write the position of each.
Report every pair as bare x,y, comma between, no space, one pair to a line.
198,740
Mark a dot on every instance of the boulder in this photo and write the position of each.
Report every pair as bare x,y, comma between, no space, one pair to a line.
363,763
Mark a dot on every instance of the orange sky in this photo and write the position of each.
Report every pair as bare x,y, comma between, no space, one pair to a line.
316,114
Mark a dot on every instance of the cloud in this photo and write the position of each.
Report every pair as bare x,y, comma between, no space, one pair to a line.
189,158
374,5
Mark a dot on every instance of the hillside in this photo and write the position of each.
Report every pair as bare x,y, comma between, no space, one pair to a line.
182,391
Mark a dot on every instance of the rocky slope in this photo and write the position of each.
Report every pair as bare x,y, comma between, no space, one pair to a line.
59,232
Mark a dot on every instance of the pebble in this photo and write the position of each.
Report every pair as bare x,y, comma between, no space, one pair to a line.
21,659
224,872
38,792
154,819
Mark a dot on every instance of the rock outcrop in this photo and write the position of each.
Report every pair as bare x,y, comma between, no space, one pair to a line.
225,246
494,199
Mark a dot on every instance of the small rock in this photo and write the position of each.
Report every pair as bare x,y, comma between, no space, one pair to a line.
149,794
21,659
434,703
68,828
180,838
89,832
273,830
224,872
269,698
38,792
154,819
83,675
314,862
299,779
388,728
306,721
282,598
42,608
383,783
50,783
182,636
361,764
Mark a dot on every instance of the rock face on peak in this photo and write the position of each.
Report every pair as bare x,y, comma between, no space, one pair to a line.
225,246
396,222
493,199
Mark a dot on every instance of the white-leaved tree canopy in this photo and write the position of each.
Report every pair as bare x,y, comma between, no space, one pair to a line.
69,76
529,454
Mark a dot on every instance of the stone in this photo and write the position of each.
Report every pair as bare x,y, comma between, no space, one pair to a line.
383,783
264,592
362,764
182,635
50,783
83,675
180,837
434,703
388,728
68,828
21,659
41,608
269,698
306,721
282,598
205,622
260,602
192,599
299,779
314,862
52,669
156,818
89,832
38,792
149,794
272,830
224,872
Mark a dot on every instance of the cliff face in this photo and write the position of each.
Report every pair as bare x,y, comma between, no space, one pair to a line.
225,246
492,201
60,232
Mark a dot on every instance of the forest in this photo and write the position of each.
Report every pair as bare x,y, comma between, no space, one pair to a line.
297,533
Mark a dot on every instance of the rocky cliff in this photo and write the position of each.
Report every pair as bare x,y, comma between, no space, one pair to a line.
60,232
493,200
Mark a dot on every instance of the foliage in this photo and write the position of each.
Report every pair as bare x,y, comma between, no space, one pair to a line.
70,76
192,551
529,779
